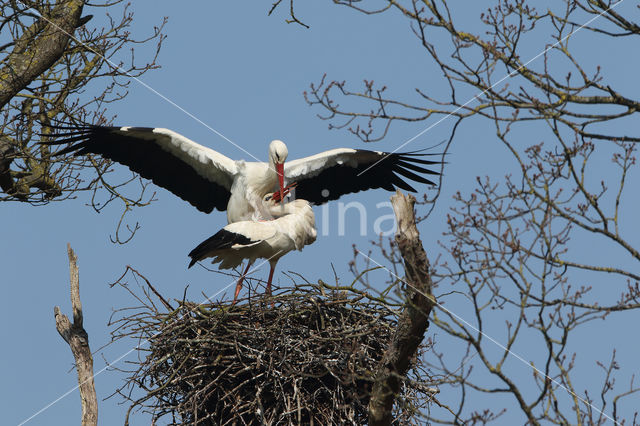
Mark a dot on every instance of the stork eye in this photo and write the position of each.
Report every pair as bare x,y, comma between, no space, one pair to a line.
277,157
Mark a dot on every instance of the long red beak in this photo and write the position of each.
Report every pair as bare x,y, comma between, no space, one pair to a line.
280,171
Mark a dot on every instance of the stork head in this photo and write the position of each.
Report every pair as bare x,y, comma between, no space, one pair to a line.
278,152
277,155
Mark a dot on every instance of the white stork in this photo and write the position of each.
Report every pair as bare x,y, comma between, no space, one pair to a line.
293,228
210,180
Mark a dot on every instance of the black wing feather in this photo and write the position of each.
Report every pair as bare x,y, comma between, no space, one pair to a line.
410,175
386,172
416,168
149,160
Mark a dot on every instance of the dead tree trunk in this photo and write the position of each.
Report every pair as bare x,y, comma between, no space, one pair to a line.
413,320
77,338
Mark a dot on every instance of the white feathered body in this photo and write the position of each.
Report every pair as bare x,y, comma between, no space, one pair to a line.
250,184
292,229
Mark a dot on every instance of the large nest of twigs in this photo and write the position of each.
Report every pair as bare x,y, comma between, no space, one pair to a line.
309,359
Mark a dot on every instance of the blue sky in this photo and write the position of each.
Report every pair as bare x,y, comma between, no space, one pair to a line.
243,74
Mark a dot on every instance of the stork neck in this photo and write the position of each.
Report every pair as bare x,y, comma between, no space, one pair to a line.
272,172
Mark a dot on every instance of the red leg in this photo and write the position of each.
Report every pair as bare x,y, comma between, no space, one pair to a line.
273,268
239,285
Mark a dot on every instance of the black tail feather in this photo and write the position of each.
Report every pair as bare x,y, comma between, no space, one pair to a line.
223,239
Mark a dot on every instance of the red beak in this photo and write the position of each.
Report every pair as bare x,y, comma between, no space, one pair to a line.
280,171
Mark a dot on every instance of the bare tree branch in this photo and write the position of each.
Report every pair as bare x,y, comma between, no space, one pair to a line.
39,47
413,320
6,157
55,70
78,340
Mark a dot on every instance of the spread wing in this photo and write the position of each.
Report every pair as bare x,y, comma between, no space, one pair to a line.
195,173
332,174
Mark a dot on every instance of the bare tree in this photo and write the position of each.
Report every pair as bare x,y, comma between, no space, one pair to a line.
509,36
78,339
413,319
513,261
58,70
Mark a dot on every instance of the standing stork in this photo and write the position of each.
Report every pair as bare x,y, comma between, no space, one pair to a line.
293,228
209,180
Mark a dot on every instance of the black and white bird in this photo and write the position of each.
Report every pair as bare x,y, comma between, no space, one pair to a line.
292,229
209,180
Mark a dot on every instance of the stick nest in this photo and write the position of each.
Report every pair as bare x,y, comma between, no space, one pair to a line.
309,359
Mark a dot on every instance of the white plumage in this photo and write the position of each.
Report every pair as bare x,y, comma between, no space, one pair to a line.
209,180
292,229
203,177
